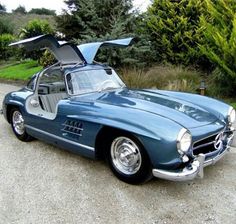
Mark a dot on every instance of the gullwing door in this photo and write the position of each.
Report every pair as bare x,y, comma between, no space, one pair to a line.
89,50
64,52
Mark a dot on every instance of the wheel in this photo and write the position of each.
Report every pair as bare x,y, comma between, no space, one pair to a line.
18,126
128,160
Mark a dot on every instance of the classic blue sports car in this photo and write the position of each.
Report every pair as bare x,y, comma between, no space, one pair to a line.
83,106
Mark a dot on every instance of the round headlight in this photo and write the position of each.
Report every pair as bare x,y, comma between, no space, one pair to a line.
184,140
231,115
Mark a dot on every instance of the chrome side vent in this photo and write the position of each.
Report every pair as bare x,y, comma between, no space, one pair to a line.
73,127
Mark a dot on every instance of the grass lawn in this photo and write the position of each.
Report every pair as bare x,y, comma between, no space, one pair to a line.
19,70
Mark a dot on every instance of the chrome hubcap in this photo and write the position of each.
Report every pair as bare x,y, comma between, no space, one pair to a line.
18,123
125,155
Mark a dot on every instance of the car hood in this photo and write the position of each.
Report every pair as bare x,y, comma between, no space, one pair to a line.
182,112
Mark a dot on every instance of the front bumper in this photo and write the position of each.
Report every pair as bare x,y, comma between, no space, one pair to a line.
193,170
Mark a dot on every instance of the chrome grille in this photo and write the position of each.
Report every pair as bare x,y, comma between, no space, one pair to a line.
205,145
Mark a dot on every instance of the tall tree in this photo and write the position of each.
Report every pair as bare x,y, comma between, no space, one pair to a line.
173,27
219,29
20,9
95,18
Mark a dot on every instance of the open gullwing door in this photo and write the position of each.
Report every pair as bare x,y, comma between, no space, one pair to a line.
64,52
90,50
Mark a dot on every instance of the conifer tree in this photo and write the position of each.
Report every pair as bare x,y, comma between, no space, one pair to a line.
219,29
91,19
173,27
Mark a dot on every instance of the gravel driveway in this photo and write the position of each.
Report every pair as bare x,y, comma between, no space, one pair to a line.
40,183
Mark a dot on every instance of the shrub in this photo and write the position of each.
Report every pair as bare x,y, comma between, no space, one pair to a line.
219,29
47,59
34,28
163,77
173,27
5,26
5,50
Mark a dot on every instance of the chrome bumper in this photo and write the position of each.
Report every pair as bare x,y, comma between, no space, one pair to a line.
195,169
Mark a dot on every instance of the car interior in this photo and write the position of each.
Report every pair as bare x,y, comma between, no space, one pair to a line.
51,89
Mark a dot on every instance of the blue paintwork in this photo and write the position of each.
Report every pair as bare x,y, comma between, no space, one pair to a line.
155,117
90,50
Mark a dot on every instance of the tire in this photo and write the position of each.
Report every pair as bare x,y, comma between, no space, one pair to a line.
18,127
128,159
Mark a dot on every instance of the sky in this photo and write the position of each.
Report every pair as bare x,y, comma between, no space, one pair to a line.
56,4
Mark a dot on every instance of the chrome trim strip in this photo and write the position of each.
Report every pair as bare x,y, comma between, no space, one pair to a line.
203,145
206,138
60,138
70,132
70,126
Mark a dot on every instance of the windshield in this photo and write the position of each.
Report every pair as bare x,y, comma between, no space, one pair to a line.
88,81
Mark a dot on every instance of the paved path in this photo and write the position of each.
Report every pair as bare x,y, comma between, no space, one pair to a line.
41,184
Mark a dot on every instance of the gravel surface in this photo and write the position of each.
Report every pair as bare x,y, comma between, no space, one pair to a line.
40,183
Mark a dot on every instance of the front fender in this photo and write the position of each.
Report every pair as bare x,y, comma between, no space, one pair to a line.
158,134
16,98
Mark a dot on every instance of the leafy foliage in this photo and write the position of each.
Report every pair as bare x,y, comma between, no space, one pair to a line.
35,28
219,29
5,51
47,59
174,30
95,18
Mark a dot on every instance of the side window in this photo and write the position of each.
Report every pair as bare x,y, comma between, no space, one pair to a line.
52,82
31,84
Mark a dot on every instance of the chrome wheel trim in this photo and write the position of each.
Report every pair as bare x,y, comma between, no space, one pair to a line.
18,123
125,155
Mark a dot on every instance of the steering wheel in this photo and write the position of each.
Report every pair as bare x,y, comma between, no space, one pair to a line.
105,84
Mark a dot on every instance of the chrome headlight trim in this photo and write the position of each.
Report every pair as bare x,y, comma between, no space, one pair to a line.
182,146
231,116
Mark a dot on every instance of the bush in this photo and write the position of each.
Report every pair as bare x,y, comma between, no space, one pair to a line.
219,29
163,77
34,28
5,26
5,51
47,59
173,28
